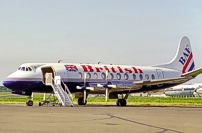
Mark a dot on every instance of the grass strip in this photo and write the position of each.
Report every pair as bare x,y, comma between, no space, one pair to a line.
139,101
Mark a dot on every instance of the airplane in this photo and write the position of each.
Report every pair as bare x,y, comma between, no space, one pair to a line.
115,81
199,91
184,90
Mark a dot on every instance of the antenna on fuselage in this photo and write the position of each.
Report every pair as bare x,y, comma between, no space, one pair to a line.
59,61
99,62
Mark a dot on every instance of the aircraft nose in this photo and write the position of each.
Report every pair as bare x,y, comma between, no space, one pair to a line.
6,83
9,83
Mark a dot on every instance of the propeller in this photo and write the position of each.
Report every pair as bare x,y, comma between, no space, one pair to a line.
107,86
84,87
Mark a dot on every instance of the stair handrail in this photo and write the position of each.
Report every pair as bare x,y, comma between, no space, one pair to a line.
61,98
67,89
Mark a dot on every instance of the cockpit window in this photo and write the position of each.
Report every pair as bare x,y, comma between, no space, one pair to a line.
29,69
23,69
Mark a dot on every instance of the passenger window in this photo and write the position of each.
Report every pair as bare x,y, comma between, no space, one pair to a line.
153,77
134,76
118,75
141,77
80,75
111,76
146,76
103,75
88,75
95,75
126,76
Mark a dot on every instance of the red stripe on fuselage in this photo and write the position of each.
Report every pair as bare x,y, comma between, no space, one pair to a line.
187,63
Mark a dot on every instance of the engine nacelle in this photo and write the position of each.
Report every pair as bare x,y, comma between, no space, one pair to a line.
136,87
20,92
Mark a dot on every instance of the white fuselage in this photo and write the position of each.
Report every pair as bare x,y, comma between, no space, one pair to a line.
73,74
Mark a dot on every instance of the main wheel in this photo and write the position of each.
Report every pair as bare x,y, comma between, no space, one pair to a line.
123,102
81,102
118,102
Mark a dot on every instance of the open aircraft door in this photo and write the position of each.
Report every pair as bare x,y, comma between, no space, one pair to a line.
45,70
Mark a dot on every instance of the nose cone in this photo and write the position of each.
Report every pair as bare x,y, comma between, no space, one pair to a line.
199,91
4,83
11,81
8,83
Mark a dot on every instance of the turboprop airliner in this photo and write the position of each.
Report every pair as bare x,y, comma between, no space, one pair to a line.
184,90
115,81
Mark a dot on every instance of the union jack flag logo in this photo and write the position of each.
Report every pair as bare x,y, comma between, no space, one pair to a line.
71,68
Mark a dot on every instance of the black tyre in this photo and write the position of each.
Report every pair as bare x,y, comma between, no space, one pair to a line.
29,103
123,102
118,102
81,102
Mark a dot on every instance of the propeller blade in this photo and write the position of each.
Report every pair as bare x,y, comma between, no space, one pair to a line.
107,75
99,85
106,94
90,88
84,96
78,87
112,86
84,78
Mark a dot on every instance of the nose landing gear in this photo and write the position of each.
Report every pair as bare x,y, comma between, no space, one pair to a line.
29,101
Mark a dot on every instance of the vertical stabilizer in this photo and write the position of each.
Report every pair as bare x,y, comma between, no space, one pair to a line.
183,60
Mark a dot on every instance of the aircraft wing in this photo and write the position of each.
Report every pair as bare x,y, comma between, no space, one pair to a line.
193,73
162,81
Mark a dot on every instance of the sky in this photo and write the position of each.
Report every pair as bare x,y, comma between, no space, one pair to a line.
132,32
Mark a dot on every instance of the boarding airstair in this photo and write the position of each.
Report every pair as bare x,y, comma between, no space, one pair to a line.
62,94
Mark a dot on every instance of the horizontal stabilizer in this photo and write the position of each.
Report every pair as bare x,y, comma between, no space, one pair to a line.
193,73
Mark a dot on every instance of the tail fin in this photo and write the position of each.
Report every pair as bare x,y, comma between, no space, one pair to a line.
183,60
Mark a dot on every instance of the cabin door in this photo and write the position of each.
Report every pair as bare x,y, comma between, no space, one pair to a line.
47,70
160,74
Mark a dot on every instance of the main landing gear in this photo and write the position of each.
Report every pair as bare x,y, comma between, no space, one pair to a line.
121,102
81,102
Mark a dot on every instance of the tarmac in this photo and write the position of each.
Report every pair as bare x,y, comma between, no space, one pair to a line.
99,119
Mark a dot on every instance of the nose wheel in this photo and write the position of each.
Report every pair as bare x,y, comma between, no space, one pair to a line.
29,103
